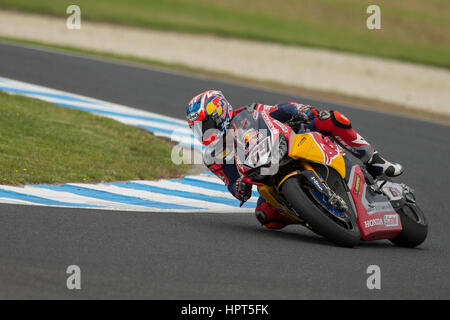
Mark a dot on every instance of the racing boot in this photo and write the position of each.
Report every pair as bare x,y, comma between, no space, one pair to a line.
270,217
341,129
377,166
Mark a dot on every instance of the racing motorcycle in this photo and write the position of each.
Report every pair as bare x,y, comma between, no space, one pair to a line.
313,182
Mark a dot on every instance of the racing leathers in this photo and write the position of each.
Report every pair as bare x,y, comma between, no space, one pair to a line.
218,156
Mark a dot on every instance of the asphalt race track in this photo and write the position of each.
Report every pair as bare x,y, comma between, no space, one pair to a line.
214,256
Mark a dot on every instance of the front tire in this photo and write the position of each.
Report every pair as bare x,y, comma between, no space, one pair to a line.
317,218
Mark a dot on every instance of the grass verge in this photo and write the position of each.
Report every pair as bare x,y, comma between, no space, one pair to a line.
411,30
44,143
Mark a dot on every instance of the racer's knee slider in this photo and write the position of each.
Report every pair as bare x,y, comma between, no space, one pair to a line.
269,216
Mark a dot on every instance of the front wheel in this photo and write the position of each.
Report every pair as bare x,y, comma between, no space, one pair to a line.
414,226
345,235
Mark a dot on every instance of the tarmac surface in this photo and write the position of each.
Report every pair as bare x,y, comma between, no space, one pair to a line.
214,255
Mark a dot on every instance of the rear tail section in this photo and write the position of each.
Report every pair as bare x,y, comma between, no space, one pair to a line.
377,218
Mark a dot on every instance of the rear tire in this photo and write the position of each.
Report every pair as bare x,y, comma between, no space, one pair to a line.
414,224
317,218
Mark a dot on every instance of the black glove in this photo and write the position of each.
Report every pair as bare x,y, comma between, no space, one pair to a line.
243,190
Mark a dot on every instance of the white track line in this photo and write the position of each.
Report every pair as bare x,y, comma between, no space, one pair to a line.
153,196
172,185
71,197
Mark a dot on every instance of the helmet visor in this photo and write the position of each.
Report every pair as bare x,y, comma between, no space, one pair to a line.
203,130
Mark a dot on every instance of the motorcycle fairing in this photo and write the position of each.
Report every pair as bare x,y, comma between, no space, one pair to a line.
377,218
315,147
255,140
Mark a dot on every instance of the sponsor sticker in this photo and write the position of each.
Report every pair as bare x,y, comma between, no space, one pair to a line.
193,116
317,183
373,222
269,123
395,192
302,141
357,185
391,220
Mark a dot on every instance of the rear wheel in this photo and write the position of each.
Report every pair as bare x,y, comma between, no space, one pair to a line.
414,226
342,233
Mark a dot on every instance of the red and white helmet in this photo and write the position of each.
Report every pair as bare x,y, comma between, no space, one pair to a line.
208,114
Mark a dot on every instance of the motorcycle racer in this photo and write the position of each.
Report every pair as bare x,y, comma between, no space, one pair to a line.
209,115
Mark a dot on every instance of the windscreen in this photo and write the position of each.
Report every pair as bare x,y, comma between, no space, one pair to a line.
253,139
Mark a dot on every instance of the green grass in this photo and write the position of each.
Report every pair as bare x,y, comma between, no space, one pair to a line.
412,30
44,143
